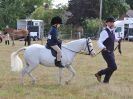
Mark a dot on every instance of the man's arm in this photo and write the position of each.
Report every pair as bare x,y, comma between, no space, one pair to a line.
102,38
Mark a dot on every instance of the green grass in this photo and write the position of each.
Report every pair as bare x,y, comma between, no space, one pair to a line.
83,86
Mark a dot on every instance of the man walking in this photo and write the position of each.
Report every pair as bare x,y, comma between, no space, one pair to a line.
106,44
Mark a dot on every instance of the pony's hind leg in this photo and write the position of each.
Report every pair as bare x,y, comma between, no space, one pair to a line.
23,72
27,69
33,78
73,73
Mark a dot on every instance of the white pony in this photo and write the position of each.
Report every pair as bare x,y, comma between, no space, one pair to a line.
39,54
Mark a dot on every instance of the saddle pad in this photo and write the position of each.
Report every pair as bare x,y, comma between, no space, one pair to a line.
54,53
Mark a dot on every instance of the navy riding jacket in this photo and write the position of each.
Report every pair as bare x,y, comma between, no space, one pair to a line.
53,37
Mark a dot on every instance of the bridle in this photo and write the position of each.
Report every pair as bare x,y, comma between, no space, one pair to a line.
87,46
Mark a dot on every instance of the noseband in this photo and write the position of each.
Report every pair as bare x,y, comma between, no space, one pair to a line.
88,46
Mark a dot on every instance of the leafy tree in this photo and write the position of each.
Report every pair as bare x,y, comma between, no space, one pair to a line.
30,6
130,2
11,10
91,27
83,9
114,8
49,2
46,15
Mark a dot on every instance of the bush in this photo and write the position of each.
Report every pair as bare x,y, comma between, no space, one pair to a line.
65,31
91,27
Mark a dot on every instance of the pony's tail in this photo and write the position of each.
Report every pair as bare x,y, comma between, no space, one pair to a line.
16,62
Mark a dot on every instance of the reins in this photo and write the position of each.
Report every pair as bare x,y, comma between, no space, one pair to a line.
74,51
118,46
98,53
70,50
87,46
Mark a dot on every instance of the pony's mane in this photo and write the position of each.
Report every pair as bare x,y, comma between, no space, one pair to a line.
79,40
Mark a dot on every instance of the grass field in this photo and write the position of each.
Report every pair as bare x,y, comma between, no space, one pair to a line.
83,86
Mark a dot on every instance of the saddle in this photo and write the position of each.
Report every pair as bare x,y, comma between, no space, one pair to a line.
54,53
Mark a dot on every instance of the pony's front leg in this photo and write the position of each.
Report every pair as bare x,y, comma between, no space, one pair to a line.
61,76
73,73
13,43
12,37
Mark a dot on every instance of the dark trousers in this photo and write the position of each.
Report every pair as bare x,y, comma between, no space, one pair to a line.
7,42
111,66
27,41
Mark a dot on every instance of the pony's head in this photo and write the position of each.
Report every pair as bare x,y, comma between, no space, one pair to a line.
89,47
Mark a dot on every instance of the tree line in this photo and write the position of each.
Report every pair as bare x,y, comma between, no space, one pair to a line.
83,12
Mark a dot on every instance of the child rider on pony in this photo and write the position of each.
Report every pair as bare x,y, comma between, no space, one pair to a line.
53,40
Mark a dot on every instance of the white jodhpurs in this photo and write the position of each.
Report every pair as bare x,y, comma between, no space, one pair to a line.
58,50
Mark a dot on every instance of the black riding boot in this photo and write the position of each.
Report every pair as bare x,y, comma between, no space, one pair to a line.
58,64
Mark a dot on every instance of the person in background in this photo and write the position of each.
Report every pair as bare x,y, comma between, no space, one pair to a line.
27,40
7,39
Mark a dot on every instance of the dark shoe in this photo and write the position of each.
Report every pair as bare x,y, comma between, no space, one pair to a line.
59,64
98,77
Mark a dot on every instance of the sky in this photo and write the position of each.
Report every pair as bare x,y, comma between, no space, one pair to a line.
56,2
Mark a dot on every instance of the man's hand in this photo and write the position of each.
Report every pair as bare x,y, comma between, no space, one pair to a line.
120,40
104,49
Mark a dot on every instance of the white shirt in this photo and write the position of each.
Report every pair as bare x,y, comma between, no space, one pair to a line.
103,37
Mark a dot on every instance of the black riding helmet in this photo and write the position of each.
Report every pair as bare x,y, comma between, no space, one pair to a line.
56,20
110,19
